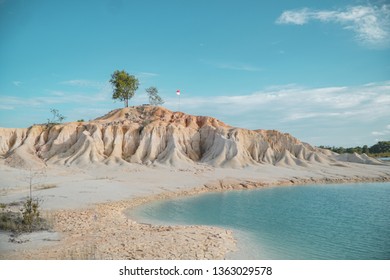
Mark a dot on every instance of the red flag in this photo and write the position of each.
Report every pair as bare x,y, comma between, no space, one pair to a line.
178,92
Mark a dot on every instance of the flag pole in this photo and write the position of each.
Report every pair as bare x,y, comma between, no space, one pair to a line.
178,93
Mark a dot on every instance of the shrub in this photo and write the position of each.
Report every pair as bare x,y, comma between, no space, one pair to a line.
30,213
27,219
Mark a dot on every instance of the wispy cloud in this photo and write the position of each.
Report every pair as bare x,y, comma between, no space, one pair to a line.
6,107
302,111
384,132
233,66
371,24
146,75
74,105
298,102
145,78
52,98
17,83
92,84
238,67
84,83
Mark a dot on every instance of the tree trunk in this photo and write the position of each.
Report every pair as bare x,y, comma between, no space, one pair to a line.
126,102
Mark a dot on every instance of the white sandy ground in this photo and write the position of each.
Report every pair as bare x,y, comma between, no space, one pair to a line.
86,207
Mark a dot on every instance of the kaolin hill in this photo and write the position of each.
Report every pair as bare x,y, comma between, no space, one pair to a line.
155,135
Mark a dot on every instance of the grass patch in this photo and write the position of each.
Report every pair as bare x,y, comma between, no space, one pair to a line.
21,217
380,155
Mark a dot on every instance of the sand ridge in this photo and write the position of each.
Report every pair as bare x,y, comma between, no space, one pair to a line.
152,135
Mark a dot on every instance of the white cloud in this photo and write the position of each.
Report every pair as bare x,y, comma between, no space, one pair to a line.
6,107
10,102
298,17
84,83
146,75
327,115
383,132
238,67
17,83
145,78
53,97
378,133
313,115
232,66
297,102
371,24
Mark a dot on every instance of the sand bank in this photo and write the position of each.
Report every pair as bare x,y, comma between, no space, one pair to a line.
87,207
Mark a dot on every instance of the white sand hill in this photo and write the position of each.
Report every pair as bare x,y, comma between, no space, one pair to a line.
155,135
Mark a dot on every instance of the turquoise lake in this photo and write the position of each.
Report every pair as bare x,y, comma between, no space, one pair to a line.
346,221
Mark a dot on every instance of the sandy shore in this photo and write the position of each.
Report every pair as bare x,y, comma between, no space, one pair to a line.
86,207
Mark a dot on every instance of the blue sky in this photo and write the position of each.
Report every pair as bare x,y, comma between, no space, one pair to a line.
316,69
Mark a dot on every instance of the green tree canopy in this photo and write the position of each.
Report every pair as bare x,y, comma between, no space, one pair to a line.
154,98
380,147
124,86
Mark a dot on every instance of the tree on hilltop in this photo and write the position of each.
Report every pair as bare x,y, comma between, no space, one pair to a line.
124,86
57,117
154,98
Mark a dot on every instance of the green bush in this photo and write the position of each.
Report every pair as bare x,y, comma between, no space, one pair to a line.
30,214
27,219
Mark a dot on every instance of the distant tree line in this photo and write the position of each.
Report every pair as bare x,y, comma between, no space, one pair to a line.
382,148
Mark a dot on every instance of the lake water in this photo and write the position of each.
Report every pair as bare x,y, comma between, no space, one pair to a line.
348,221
